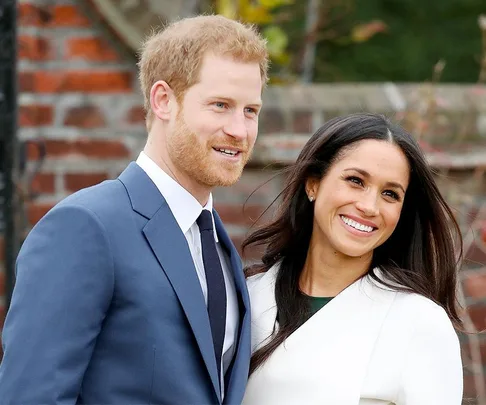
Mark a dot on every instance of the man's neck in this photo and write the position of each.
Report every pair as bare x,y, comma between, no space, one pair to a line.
200,193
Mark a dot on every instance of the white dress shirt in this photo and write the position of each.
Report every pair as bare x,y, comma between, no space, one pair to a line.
186,209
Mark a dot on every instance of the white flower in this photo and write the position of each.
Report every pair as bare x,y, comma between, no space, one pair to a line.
482,22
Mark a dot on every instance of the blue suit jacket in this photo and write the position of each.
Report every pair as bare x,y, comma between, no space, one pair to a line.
108,308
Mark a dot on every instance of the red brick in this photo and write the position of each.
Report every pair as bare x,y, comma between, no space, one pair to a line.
35,211
2,315
31,15
34,48
469,389
68,16
33,149
475,285
98,148
478,316
44,183
53,16
75,81
302,122
35,115
2,285
466,349
77,181
475,254
91,49
272,121
136,115
87,117
2,248
91,148
53,148
238,214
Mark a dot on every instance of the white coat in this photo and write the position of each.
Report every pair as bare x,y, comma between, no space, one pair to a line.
368,346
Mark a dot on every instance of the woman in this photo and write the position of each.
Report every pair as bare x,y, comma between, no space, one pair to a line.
354,301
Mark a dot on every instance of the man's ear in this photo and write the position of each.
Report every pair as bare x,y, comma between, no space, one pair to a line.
161,100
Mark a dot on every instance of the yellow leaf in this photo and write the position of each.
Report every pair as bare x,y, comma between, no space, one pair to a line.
363,32
227,8
255,15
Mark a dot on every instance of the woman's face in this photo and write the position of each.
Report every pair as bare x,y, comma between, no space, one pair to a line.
359,201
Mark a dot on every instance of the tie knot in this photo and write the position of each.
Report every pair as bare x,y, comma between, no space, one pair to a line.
205,221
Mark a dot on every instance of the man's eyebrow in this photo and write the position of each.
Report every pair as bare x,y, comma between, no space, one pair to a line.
230,100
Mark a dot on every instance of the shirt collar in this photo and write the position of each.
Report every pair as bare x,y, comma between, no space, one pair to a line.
185,208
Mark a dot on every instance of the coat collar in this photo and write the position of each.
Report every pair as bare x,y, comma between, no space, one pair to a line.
142,192
335,344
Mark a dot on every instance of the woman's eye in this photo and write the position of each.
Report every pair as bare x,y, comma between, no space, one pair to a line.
391,194
355,180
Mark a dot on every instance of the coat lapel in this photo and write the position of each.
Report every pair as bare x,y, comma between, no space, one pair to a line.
241,362
170,247
327,358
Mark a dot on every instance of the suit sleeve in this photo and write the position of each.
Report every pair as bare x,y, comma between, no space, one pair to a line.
433,369
64,285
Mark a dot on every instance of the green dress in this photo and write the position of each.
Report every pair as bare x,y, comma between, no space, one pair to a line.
316,303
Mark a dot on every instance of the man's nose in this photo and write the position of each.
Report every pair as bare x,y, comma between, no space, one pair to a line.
236,126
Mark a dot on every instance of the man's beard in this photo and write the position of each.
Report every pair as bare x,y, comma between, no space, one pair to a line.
195,159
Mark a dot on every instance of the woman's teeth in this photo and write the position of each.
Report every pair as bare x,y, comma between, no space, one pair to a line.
356,225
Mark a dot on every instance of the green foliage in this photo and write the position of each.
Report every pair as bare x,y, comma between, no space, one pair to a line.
369,40
261,13
419,34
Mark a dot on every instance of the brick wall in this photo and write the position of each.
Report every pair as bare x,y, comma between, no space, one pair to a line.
78,92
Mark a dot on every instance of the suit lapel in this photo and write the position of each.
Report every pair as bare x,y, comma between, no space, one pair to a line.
241,361
170,247
235,261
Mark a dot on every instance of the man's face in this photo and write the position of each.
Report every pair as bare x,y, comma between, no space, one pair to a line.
217,123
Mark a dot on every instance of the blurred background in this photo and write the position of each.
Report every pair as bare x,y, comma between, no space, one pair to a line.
71,109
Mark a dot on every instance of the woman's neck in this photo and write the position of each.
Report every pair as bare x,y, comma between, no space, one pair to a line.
327,272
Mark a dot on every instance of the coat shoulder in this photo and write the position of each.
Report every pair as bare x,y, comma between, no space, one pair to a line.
260,281
424,313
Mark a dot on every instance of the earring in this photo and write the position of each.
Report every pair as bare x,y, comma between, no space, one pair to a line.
311,198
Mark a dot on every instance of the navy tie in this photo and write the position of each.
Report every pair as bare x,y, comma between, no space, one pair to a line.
215,283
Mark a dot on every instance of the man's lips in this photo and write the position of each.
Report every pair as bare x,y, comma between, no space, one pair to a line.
229,151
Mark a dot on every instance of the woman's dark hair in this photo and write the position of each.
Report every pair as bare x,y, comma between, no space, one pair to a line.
422,255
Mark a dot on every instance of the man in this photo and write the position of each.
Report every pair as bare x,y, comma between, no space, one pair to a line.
131,292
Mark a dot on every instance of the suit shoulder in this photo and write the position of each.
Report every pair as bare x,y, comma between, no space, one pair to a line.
103,197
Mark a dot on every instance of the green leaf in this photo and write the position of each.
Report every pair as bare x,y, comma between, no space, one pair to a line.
277,40
271,4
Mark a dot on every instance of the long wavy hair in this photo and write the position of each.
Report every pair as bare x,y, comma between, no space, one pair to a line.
421,256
